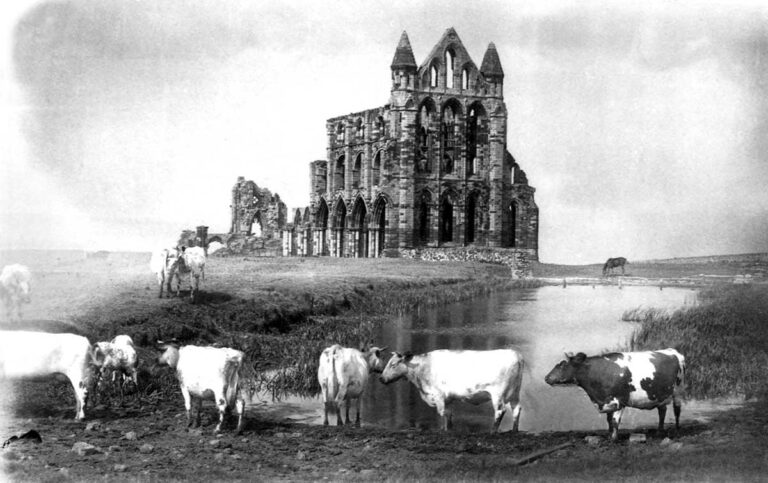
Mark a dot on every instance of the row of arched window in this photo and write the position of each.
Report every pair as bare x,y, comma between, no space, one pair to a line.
433,74
358,130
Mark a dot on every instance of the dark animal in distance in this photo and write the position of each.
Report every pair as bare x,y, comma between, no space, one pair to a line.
612,263
643,380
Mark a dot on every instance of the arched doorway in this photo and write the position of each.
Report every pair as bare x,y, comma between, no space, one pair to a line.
422,221
359,213
513,211
446,220
472,218
339,225
321,229
379,226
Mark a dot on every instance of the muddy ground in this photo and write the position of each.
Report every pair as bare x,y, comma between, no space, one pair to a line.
147,439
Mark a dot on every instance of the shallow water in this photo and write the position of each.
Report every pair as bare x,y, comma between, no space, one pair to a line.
542,323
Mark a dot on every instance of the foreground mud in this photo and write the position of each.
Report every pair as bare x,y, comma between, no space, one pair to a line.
149,441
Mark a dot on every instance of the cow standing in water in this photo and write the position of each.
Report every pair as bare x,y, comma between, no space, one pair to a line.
642,380
612,263
443,376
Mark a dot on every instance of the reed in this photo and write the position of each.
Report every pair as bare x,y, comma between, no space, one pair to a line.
724,341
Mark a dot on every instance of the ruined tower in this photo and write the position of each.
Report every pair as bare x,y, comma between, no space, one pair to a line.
430,170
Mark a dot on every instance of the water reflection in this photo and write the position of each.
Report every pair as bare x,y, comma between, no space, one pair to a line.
542,323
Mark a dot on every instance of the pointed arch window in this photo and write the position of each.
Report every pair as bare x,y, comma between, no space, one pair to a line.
338,174
449,69
465,78
376,174
356,171
433,76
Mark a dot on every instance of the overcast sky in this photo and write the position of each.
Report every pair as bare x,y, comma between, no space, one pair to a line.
643,129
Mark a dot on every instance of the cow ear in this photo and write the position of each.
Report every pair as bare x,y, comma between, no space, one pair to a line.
568,355
580,357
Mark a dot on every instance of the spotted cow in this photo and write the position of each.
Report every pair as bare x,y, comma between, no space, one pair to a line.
642,380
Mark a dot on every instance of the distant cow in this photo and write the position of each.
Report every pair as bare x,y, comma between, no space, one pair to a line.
205,372
191,262
612,263
14,289
442,376
164,264
34,355
643,380
343,375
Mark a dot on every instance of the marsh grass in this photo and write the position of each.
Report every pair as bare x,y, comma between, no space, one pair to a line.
644,314
724,341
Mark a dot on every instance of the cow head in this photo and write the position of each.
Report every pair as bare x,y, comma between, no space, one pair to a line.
396,368
373,356
99,353
170,353
565,371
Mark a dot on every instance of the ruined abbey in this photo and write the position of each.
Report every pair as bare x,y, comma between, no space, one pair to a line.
429,170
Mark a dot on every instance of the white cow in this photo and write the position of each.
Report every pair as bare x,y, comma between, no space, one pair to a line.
14,289
192,262
35,355
204,372
164,265
343,375
442,376
119,357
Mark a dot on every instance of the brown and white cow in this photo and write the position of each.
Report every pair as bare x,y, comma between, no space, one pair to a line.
642,380
442,376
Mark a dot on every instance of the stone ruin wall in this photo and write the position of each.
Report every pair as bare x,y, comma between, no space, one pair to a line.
518,260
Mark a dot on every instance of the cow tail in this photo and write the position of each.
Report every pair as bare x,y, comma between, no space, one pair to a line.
232,376
334,382
681,370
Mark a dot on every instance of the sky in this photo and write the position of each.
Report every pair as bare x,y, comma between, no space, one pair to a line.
643,128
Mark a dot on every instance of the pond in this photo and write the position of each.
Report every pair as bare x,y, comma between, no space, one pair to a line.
542,323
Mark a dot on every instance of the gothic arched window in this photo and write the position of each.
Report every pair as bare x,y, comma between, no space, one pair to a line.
448,69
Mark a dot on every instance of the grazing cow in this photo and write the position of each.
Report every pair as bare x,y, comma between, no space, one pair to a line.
612,263
343,375
164,265
205,372
40,355
442,376
192,262
14,289
643,380
119,357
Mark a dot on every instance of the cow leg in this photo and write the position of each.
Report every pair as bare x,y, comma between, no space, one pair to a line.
339,419
341,404
616,417
347,421
240,410
357,412
444,418
676,406
516,417
499,408
221,404
81,394
187,404
662,414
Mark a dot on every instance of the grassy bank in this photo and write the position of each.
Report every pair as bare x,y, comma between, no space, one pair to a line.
283,312
724,340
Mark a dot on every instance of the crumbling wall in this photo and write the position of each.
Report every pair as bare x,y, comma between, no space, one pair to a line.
253,205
